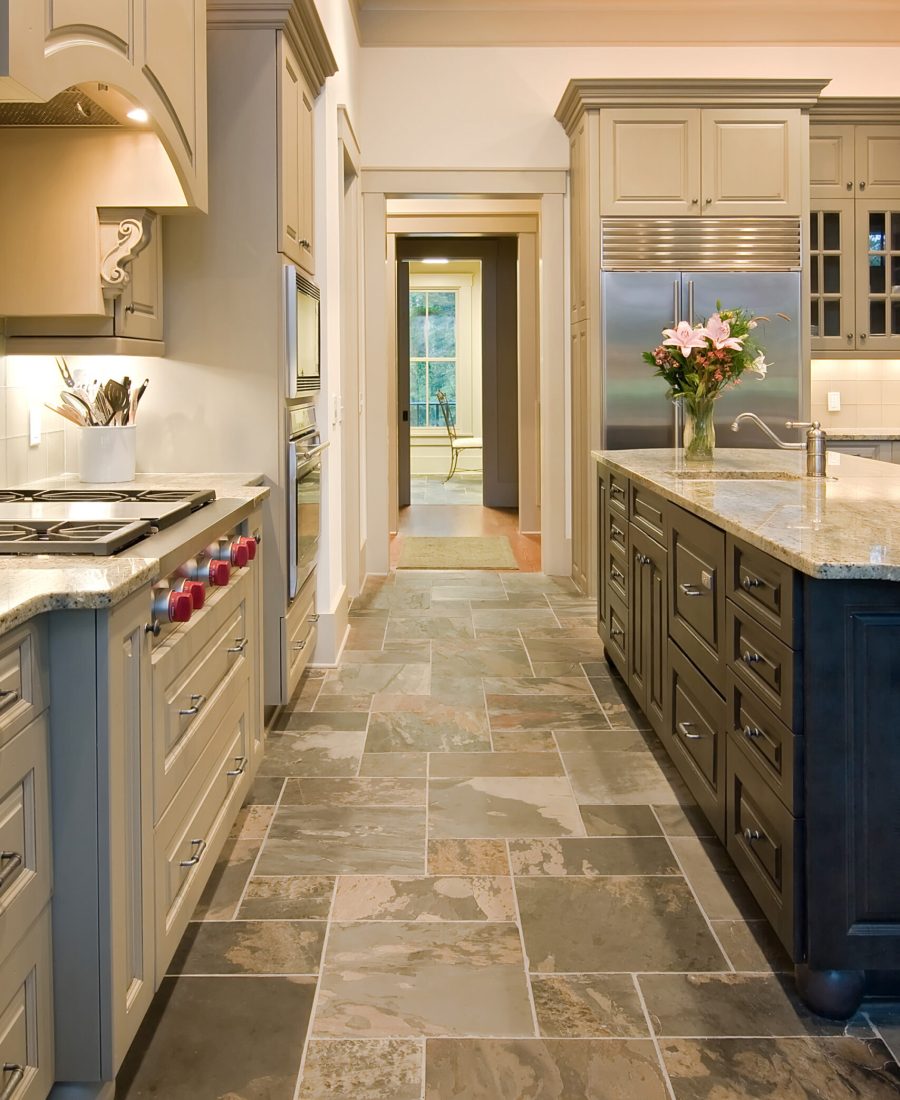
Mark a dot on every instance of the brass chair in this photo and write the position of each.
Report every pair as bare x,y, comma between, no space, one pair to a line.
457,443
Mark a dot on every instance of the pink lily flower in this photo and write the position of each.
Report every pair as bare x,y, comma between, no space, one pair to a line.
719,332
684,337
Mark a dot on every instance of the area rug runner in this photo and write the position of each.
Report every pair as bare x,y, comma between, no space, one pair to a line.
476,552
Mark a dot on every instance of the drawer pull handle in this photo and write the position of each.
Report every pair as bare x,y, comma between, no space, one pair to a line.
8,698
616,574
683,729
240,644
199,847
197,702
298,646
616,633
750,835
750,582
751,658
241,762
643,559
17,1076
617,533
313,619
305,244
752,732
691,590
617,491
12,862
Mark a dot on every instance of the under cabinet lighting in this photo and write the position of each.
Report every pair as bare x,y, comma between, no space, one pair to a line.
436,260
138,114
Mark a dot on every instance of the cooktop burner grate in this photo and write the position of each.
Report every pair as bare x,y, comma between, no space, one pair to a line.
196,499
70,537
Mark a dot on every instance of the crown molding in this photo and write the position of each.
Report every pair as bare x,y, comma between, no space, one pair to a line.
591,95
848,109
297,19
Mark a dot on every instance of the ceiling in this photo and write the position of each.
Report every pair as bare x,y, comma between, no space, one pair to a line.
626,22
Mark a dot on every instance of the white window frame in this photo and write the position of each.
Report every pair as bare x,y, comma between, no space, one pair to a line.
467,413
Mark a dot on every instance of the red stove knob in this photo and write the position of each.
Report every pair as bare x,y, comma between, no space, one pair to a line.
239,554
250,543
219,573
173,606
197,591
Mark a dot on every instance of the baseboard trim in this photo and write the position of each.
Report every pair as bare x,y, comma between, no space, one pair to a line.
333,628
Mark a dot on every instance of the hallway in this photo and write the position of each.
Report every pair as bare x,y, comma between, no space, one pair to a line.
467,873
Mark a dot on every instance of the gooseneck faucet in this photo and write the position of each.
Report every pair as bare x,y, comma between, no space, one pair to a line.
815,440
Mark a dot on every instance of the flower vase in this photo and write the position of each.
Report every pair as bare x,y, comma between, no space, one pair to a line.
699,428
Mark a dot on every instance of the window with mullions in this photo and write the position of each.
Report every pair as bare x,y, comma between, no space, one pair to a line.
433,339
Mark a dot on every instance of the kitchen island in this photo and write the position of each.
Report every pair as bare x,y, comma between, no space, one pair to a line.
754,614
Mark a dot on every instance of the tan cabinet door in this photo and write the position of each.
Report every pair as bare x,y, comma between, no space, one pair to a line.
295,195
831,160
751,162
878,162
582,483
877,276
139,311
580,223
305,156
832,275
650,162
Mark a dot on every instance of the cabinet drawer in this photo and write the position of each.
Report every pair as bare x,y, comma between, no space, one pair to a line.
617,642
23,689
193,829
766,665
300,632
765,588
649,513
777,753
189,699
765,842
696,596
25,874
617,573
697,737
617,531
618,493
26,1016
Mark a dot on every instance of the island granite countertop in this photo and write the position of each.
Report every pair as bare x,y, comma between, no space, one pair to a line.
845,526
33,584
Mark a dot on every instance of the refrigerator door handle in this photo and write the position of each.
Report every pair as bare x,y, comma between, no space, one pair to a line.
691,301
676,303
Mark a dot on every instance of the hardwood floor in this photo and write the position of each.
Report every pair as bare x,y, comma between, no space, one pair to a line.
468,519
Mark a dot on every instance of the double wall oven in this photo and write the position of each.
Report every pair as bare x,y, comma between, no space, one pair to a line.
305,451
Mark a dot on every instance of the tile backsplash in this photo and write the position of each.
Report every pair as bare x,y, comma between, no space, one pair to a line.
869,389
26,382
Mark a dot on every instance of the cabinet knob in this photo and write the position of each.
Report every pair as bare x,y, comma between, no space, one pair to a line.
862,185
849,337
617,633
751,732
643,559
752,834
862,336
305,244
751,658
695,202
749,582
709,202
850,185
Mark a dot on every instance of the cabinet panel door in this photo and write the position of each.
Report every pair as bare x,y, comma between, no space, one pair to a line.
581,460
602,583
650,163
751,162
831,158
174,53
878,162
106,21
289,154
579,223
877,276
305,173
139,309
832,275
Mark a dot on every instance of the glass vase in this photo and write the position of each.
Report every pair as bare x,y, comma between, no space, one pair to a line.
699,428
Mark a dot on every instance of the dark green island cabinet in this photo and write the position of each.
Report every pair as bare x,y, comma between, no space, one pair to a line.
777,695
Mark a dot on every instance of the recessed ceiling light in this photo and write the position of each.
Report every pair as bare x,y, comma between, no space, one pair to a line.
436,260
138,114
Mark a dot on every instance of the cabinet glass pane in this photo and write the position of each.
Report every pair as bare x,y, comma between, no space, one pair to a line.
876,275
814,230
895,231
832,274
895,318
877,318
832,317
814,316
832,232
877,234
895,274
814,274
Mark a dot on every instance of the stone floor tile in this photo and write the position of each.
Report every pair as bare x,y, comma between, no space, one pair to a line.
250,947
593,857
505,657
683,821
467,857
502,806
606,820
789,1069
702,1005
410,626
287,897
305,693
368,791
312,754
219,1037
623,924
318,722
443,728
460,691
621,777
223,891
368,679
252,822
359,703
412,653
553,712
542,1069
466,764
264,791
345,840
373,897
715,879
536,685
397,980
752,946
362,1069
588,1006
523,741
510,621
411,765
886,1018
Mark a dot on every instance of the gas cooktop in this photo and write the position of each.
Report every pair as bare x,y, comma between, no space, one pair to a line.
89,521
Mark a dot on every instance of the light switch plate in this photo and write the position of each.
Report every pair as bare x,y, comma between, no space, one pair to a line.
34,426
834,401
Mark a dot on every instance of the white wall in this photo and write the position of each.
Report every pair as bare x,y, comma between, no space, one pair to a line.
493,107
26,382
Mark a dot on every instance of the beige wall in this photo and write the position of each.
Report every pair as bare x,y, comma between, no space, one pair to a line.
869,389
26,382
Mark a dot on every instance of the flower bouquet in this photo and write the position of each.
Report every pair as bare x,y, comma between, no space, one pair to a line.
699,361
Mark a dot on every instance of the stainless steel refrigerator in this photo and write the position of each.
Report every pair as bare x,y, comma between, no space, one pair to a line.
638,304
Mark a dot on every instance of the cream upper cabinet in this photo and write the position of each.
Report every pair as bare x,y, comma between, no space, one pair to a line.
580,226
831,162
752,162
878,162
154,53
649,162
729,161
296,162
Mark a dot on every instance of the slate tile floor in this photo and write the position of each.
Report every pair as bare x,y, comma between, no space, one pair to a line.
466,872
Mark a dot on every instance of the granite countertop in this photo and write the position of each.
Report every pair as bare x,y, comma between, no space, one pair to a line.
845,526
864,433
31,585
